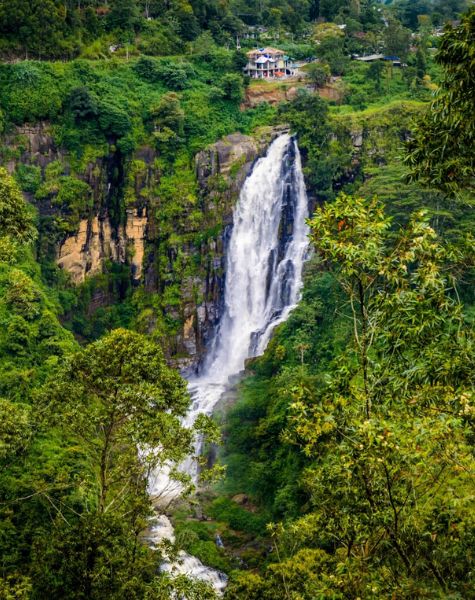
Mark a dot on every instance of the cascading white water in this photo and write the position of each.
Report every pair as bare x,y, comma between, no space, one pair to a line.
265,257
264,269
263,278
192,567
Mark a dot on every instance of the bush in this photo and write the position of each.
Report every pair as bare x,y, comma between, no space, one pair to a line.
175,76
19,336
22,296
147,69
232,87
29,92
82,103
237,517
73,194
114,121
318,74
28,177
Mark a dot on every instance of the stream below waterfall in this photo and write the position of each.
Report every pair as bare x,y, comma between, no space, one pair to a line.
264,262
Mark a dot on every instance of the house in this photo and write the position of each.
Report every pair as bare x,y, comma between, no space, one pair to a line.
268,63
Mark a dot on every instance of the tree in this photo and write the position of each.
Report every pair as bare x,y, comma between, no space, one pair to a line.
331,49
385,430
239,60
441,151
113,119
15,219
175,76
410,11
231,85
15,588
204,45
182,12
421,63
82,104
323,31
318,74
405,321
168,121
147,68
16,222
274,17
396,39
119,397
36,27
450,9
308,116
330,8
121,406
123,15
375,72
15,427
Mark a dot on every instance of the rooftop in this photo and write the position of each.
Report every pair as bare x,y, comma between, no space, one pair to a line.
371,57
264,51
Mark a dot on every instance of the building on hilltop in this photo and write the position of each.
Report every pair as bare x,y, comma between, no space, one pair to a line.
268,63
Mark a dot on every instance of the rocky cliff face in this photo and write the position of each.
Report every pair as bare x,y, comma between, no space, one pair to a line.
100,208
83,253
104,207
84,238
220,170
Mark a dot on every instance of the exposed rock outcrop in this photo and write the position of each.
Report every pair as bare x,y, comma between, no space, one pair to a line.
72,255
83,254
271,92
135,237
35,144
234,150
232,158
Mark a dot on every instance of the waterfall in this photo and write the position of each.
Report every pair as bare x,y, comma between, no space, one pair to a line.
265,257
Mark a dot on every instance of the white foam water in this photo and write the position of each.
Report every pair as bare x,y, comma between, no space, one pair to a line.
188,565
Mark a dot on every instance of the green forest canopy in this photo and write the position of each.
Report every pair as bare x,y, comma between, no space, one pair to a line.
58,28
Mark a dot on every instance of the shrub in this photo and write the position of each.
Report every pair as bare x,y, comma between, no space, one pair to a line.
22,296
237,517
73,194
29,92
114,121
175,76
82,103
19,336
147,69
28,177
232,86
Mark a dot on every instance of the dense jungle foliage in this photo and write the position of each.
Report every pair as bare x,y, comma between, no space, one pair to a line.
349,449
66,28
